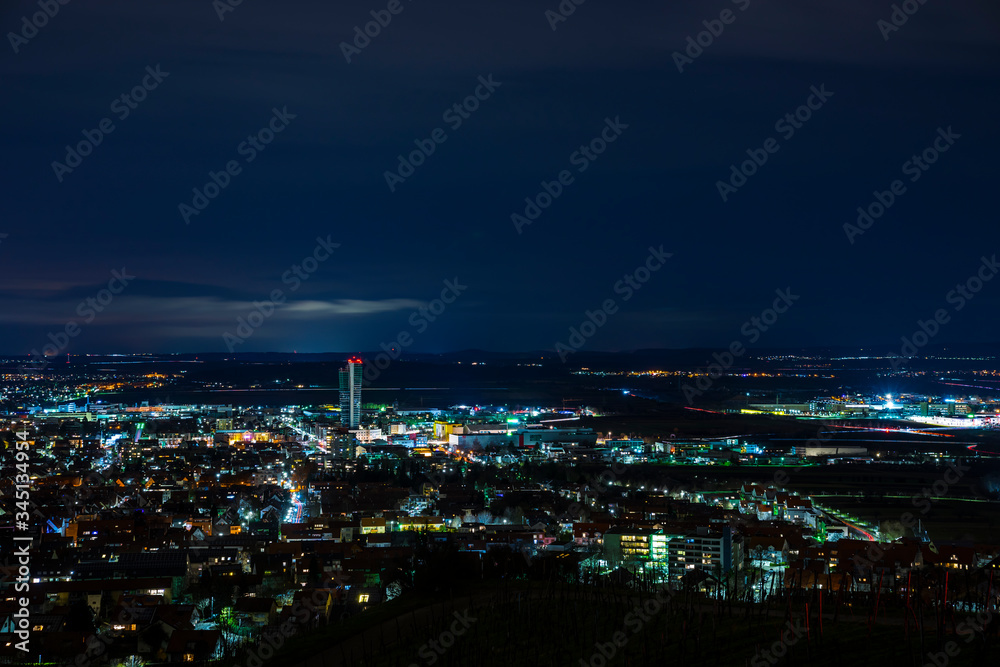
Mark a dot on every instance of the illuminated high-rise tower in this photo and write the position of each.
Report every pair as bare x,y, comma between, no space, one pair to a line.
350,393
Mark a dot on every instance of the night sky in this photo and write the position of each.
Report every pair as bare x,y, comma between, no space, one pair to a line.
608,65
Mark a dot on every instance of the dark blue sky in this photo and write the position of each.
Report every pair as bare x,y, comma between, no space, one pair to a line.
324,174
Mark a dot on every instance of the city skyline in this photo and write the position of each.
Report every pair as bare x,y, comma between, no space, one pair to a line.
394,332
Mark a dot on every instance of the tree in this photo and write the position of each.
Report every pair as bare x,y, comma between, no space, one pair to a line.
314,570
80,618
514,515
890,531
131,661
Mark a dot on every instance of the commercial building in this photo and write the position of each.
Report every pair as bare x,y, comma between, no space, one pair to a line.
709,550
350,392
672,555
536,439
628,545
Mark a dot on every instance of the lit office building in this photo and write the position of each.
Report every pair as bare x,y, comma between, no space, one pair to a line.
350,393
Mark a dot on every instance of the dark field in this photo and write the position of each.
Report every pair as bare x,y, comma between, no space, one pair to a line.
537,625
